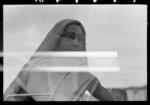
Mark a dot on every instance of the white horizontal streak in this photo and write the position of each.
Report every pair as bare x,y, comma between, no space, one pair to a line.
66,54
78,69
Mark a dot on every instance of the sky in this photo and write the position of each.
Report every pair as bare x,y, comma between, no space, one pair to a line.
120,28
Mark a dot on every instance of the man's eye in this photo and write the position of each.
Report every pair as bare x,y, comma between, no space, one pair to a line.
69,35
72,36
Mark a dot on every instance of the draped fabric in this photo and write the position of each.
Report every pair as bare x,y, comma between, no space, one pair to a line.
41,85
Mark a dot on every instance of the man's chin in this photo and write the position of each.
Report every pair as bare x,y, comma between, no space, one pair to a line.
72,50
75,50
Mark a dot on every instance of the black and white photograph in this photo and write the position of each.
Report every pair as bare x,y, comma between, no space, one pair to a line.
74,52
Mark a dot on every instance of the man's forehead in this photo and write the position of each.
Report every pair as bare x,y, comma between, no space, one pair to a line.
73,27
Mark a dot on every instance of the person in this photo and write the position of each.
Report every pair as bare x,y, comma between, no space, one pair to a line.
29,85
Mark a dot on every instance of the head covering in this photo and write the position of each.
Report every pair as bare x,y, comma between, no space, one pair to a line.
43,82
54,35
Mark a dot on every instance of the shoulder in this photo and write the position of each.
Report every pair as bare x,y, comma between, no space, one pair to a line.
85,77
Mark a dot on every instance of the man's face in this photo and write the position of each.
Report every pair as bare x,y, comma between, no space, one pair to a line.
72,39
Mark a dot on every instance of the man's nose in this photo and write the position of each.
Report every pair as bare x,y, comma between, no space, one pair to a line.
76,42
